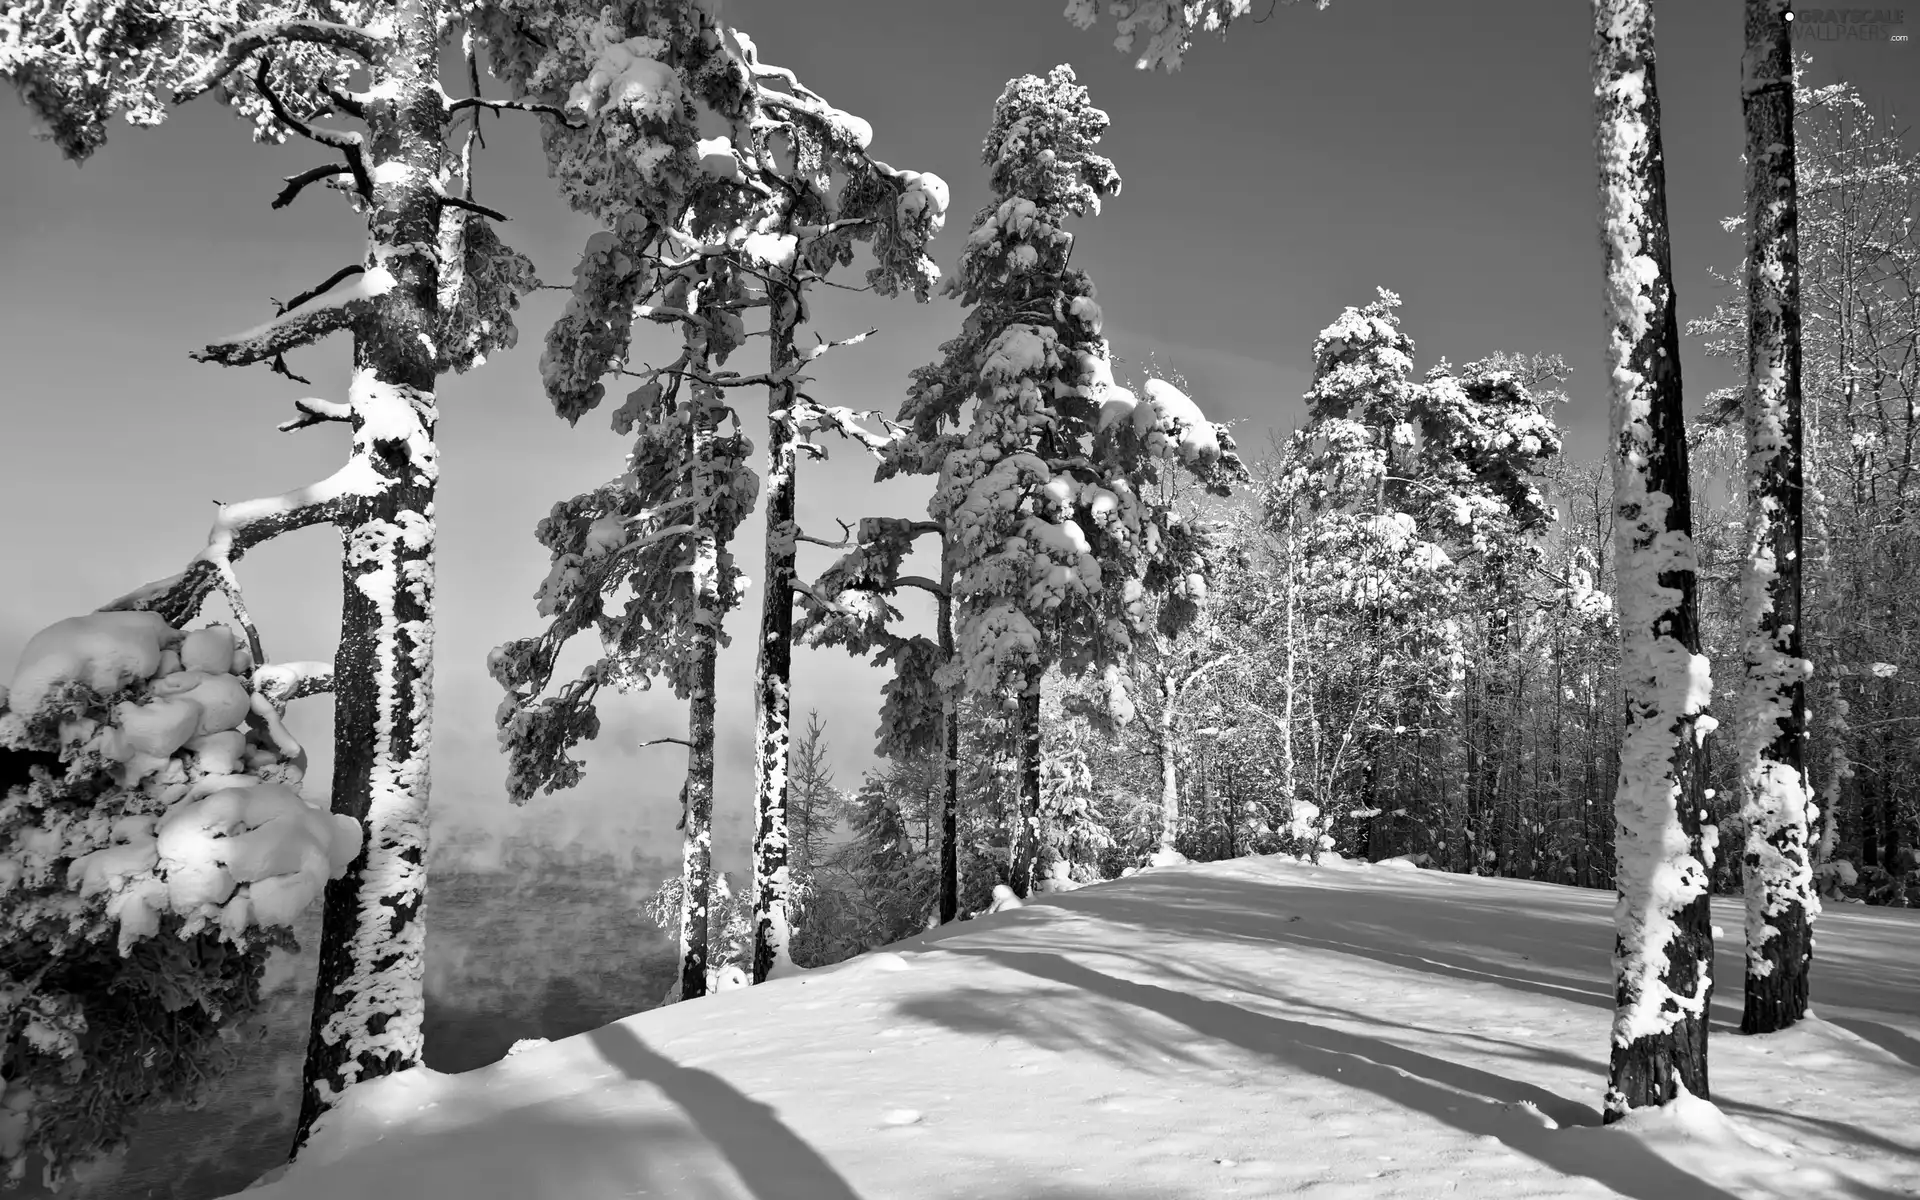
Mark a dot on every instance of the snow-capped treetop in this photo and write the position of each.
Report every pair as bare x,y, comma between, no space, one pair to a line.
1168,24
1042,497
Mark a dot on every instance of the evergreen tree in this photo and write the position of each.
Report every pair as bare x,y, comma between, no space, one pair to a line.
1041,498
815,802
754,219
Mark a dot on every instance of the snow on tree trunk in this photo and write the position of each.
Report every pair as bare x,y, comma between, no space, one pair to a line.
1663,948
949,754
1169,776
1775,802
1026,816
772,886
368,1002
696,858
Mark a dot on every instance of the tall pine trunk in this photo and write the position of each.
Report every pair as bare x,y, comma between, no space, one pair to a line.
1026,817
368,1002
1774,797
949,753
696,856
1663,949
772,885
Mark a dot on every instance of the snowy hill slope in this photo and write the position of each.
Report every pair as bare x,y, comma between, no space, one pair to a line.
1249,1028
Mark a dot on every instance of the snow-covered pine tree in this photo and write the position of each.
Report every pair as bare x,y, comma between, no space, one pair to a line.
802,231
433,291
1351,499
1040,499
1776,805
661,532
638,165
1663,949
754,212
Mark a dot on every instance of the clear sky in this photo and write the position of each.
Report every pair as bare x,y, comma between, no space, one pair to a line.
1441,149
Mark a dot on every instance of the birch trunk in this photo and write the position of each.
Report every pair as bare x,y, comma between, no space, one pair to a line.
1775,801
772,886
368,1002
1663,948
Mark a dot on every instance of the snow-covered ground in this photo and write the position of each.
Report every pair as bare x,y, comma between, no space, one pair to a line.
1249,1028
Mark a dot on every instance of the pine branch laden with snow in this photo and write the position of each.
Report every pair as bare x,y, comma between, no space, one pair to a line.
1776,805
1663,957
1169,25
158,851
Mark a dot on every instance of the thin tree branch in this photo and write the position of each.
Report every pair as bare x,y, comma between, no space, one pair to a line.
297,182
470,206
666,741
348,144
528,106
349,39
320,289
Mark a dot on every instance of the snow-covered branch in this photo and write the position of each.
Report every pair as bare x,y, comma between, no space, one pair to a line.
297,183
347,143
350,39
529,106
319,289
315,411
292,330
284,682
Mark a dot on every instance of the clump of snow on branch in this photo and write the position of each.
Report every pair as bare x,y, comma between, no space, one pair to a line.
1169,25
155,837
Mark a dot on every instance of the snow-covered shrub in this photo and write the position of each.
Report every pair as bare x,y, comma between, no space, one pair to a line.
729,928
153,850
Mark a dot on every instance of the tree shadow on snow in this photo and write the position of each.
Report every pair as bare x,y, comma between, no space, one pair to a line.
1453,946
773,1161
1408,1078
1894,1042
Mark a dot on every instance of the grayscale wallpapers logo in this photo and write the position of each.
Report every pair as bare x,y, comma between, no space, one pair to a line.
1849,24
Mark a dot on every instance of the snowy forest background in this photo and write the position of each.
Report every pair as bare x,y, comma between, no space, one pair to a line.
1257,213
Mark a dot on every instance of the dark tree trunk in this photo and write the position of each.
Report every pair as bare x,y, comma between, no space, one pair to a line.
1775,796
1657,1048
1026,832
367,1005
950,756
